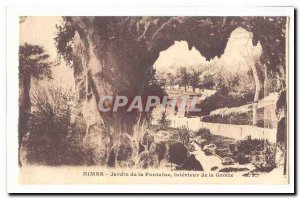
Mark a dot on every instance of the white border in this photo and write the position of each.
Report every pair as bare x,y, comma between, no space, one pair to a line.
129,10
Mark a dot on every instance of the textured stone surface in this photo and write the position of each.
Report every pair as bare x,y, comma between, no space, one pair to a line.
112,55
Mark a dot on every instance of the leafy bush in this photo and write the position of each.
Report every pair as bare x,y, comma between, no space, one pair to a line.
182,134
49,125
223,145
223,152
232,147
147,140
51,112
204,133
222,99
242,158
248,145
258,151
265,160
163,122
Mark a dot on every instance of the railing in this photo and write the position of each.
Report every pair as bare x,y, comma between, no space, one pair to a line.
238,132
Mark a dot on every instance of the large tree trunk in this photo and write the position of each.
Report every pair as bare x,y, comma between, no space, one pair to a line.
24,108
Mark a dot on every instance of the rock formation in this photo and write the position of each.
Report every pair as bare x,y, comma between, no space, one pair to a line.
115,55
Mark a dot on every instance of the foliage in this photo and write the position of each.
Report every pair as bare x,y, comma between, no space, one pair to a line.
50,127
238,84
233,90
33,61
222,99
222,143
194,78
266,31
189,77
242,158
208,82
182,134
265,160
147,140
248,145
64,40
51,111
258,151
204,133
171,80
183,77
239,157
224,152
163,122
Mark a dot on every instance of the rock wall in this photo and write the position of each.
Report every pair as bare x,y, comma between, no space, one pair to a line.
115,55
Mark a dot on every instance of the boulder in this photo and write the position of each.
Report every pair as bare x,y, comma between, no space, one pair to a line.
171,151
178,153
210,148
228,161
190,164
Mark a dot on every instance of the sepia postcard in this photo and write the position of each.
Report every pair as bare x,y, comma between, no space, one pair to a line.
150,99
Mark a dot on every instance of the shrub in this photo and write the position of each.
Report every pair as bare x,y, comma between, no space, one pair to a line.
182,134
204,133
163,122
248,145
258,151
223,152
232,148
242,158
147,140
50,121
265,160
223,98
51,112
